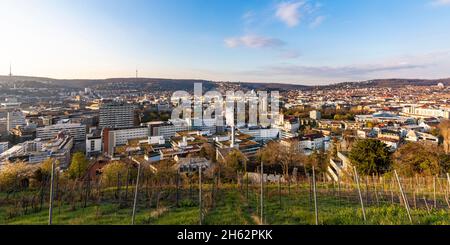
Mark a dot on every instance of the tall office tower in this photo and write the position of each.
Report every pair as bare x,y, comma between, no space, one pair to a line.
117,115
15,118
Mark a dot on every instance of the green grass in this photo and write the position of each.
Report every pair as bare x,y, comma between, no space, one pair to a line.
232,208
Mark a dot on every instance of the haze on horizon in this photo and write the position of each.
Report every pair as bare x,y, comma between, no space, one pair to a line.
283,41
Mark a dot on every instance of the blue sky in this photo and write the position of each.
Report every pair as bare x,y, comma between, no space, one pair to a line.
297,41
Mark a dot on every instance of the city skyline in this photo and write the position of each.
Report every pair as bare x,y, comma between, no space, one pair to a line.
301,42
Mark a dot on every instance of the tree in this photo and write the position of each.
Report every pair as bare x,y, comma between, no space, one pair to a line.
114,172
78,166
166,171
208,151
43,173
12,175
270,154
444,127
370,156
236,160
318,159
418,158
286,155
290,156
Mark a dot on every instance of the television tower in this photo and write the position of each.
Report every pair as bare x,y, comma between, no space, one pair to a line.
10,69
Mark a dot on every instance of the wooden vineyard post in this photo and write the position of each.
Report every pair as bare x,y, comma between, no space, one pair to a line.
367,190
448,190
375,188
178,188
200,205
262,194
136,194
52,183
415,201
434,193
426,204
316,211
339,189
360,195
405,200
246,183
279,190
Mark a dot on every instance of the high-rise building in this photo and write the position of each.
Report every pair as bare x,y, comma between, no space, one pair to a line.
15,118
116,115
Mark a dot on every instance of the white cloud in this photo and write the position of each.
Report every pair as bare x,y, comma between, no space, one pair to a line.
289,12
317,21
440,2
253,41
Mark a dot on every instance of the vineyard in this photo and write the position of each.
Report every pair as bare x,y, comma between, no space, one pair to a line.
190,200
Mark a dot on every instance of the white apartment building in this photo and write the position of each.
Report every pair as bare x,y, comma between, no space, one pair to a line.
415,136
120,137
76,130
426,112
94,142
259,134
313,142
315,115
37,151
168,129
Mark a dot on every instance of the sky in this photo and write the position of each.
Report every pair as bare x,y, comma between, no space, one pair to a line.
273,41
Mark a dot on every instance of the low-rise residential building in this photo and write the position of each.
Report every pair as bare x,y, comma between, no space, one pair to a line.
38,150
191,164
415,136
94,142
315,115
312,142
329,124
167,129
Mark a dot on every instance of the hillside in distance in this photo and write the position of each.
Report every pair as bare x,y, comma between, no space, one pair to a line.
161,84
136,83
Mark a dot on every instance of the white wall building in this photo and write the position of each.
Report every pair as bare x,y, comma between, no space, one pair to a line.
415,136
315,115
262,133
426,112
120,137
76,130
168,129
94,142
